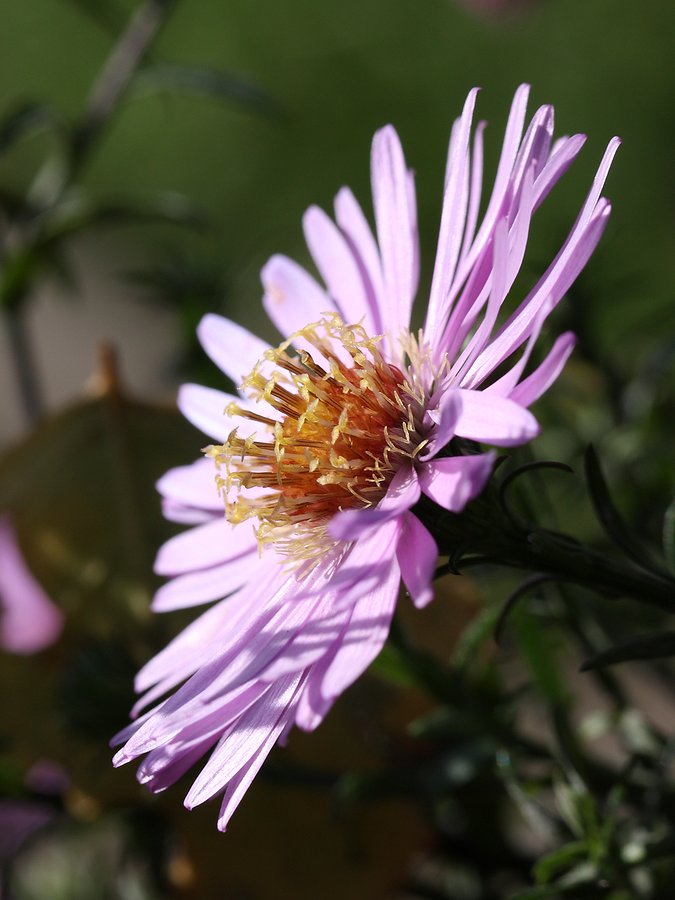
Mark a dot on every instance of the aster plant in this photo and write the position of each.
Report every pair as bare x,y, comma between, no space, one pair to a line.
357,452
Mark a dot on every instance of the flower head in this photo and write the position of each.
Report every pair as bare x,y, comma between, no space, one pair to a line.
333,439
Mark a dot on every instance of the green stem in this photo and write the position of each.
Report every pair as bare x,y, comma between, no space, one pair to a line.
484,528
117,73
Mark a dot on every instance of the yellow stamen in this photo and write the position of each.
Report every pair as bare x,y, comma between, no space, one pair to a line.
343,429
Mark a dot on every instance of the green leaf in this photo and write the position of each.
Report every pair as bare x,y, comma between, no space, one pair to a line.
391,666
77,214
669,536
476,633
110,17
535,642
655,645
583,874
27,119
610,518
208,82
550,865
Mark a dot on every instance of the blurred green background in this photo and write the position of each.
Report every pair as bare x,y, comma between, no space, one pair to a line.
250,112
337,71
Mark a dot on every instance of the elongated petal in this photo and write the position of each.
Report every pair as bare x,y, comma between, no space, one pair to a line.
365,635
417,555
445,419
234,349
395,220
258,728
205,409
339,268
293,299
204,585
193,485
452,222
364,561
452,481
205,546
532,387
494,420
185,515
357,232
239,783
403,492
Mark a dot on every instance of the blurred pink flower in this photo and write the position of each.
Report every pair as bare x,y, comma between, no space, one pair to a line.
29,621
334,438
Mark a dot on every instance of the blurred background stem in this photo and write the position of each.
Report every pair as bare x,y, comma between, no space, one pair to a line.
116,76
23,359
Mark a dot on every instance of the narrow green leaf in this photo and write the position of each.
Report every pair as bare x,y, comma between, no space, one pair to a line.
655,645
476,633
550,865
110,17
537,647
77,213
669,536
391,666
27,119
207,81
610,518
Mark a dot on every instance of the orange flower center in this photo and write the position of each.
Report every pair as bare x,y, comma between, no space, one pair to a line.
332,436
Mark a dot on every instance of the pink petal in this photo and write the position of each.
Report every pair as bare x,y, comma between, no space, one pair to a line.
402,493
366,564
532,387
162,767
504,386
498,289
494,420
445,419
562,156
29,621
205,585
205,408
192,486
395,218
417,555
234,349
365,635
311,641
257,730
293,299
357,232
185,515
339,268
476,183
452,221
451,481
571,259
240,783
313,706
512,138
214,630
205,546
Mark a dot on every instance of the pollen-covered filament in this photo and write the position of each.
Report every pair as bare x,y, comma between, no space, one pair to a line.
331,436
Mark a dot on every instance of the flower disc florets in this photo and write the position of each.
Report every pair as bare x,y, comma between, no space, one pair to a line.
339,421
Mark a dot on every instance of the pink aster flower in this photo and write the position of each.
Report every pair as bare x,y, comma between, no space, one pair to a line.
333,439
29,621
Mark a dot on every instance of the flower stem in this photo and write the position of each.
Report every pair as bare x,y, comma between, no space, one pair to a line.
484,528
